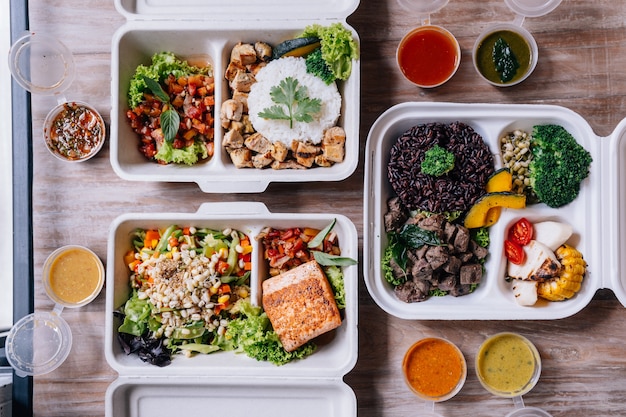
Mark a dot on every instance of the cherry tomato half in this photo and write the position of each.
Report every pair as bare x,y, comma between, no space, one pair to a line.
521,232
514,252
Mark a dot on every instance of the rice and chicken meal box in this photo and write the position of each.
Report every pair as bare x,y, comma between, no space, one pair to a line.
232,302
248,102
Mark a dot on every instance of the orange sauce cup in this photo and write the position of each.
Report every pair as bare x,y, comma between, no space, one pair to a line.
434,369
428,56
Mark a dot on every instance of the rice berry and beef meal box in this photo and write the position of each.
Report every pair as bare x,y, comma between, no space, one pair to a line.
572,226
202,340
221,60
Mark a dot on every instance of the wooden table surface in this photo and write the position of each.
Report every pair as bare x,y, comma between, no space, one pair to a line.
582,48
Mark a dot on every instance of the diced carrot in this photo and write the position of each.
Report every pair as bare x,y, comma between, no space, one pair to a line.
133,265
247,266
173,242
222,267
182,80
186,231
224,289
151,239
209,101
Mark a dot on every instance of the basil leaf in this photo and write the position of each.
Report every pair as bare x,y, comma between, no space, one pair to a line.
505,60
319,238
156,89
170,122
415,237
326,259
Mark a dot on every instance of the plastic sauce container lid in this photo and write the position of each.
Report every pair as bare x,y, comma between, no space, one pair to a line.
532,8
422,6
41,64
38,343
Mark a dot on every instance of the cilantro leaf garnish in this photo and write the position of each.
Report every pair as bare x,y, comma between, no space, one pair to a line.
292,96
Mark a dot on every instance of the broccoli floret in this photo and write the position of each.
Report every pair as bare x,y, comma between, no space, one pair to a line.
437,161
317,66
558,166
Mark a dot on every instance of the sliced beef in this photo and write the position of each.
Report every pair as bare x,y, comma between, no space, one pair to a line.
460,290
412,291
437,256
447,282
396,215
470,274
461,239
422,270
478,251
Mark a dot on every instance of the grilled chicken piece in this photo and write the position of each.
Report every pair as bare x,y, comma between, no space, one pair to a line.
241,157
280,151
305,154
262,160
232,69
258,143
334,144
291,164
242,81
231,110
320,160
541,263
243,53
263,51
241,97
233,139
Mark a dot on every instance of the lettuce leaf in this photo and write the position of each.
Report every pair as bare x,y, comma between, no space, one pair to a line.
189,155
163,64
338,47
253,335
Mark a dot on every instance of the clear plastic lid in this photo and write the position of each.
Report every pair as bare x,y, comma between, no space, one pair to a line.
532,8
529,412
41,64
422,6
38,343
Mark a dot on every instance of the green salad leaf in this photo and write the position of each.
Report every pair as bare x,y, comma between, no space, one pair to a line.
338,47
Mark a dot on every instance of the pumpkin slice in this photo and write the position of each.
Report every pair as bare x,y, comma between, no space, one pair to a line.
501,180
477,214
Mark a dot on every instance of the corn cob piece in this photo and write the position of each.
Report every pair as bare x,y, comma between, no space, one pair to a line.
569,280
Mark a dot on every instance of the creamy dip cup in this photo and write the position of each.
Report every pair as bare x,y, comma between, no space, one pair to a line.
508,365
73,276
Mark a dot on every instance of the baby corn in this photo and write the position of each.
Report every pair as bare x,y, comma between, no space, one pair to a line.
569,280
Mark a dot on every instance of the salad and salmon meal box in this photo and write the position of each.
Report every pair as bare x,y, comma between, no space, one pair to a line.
233,304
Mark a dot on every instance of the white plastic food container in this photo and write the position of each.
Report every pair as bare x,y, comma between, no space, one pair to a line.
597,215
309,387
213,27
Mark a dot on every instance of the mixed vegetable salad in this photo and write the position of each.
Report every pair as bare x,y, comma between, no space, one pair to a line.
171,106
191,291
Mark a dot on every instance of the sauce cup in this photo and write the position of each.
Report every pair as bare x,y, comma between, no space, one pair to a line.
435,370
428,56
508,365
74,131
73,276
517,51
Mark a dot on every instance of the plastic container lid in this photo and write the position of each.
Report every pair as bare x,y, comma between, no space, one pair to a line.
529,412
422,6
38,343
532,8
41,64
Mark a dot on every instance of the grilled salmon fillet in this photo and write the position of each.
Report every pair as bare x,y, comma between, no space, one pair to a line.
300,305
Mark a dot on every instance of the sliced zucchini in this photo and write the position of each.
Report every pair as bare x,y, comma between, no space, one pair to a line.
298,47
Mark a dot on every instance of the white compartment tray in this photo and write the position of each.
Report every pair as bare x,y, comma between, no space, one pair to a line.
142,388
595,215
198,27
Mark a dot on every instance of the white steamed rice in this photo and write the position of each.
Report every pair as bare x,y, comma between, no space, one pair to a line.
278,130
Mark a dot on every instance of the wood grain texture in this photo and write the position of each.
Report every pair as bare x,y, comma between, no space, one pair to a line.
582,47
